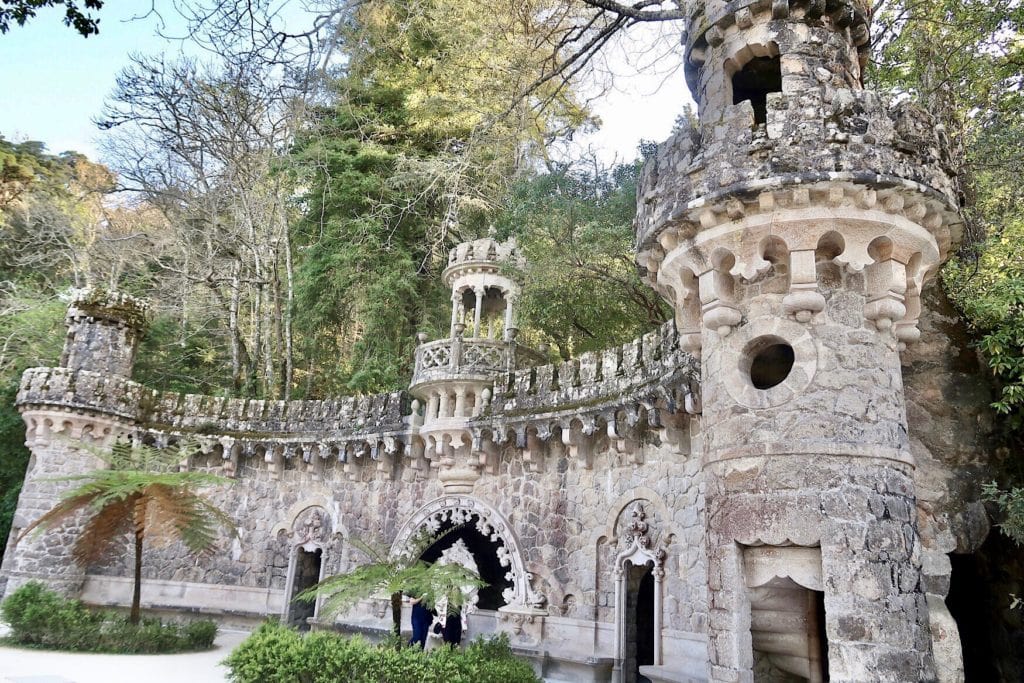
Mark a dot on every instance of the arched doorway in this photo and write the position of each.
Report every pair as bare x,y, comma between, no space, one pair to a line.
308,537
486,552
639,570
639,627
306,574
490,538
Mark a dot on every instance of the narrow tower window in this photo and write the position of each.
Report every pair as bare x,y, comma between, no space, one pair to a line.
760,76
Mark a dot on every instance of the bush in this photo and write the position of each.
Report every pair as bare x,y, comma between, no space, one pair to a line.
41,617
277,654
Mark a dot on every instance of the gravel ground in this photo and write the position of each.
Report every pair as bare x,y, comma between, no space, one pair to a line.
40,666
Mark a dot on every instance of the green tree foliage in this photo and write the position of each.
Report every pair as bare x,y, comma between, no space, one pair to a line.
393,575
426,131
78,17
575,227
143,494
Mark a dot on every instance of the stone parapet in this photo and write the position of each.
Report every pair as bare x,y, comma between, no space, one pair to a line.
217,414
593,378
84,391
820,134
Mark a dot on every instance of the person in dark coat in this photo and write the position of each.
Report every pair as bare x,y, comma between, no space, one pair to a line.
421,618
451,634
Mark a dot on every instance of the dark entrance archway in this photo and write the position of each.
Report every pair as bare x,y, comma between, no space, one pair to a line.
485,553
640,624
306,575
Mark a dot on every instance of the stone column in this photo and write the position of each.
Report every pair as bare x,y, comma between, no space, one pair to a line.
479,292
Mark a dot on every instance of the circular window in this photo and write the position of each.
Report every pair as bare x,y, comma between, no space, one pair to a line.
771,361
767,362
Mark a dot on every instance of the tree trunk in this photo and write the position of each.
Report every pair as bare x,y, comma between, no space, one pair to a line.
396,617
137,591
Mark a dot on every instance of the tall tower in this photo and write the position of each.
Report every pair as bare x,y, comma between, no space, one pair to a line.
89,400
792,229
452,375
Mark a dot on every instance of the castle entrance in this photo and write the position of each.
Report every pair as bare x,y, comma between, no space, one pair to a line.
306,575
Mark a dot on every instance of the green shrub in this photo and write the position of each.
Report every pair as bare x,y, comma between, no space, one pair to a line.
277,654
41,617
200,634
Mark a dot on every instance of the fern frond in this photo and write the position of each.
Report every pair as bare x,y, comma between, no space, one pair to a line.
102,530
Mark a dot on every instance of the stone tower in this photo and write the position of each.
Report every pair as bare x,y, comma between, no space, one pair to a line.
453,376
88,401
792,229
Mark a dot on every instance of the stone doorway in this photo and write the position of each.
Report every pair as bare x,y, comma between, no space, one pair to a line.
972,603
305,574
639,631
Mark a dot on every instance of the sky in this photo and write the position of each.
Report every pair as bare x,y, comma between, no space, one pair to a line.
53,82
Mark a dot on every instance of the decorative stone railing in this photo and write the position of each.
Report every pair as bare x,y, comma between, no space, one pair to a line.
460,358
853,136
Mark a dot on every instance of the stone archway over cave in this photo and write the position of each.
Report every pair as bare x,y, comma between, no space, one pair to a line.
485,552
488,535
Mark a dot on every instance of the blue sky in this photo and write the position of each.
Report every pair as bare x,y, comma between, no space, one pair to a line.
53,82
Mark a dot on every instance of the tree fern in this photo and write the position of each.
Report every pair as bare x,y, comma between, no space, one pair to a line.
143,494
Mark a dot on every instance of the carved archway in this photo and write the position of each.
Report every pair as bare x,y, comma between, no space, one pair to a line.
310,537
460,510
638,550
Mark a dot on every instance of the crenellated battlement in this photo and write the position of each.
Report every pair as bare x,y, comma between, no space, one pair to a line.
593,378
818,135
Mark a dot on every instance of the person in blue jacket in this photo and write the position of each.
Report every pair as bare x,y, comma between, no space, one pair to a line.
421,619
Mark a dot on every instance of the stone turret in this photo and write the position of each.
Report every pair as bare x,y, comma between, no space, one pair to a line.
453,376
793,229
86,403
104,329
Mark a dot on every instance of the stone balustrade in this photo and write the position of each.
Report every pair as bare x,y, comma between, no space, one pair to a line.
477,359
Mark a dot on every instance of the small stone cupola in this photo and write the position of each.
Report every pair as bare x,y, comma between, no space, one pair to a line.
482,336
483,296
104,329
453,379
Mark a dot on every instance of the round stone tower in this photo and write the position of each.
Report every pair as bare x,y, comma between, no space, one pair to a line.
104,329
89,401
792,229
452,375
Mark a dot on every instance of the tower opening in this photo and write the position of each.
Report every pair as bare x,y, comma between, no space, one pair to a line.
787,630
307,574
771,365
757,78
